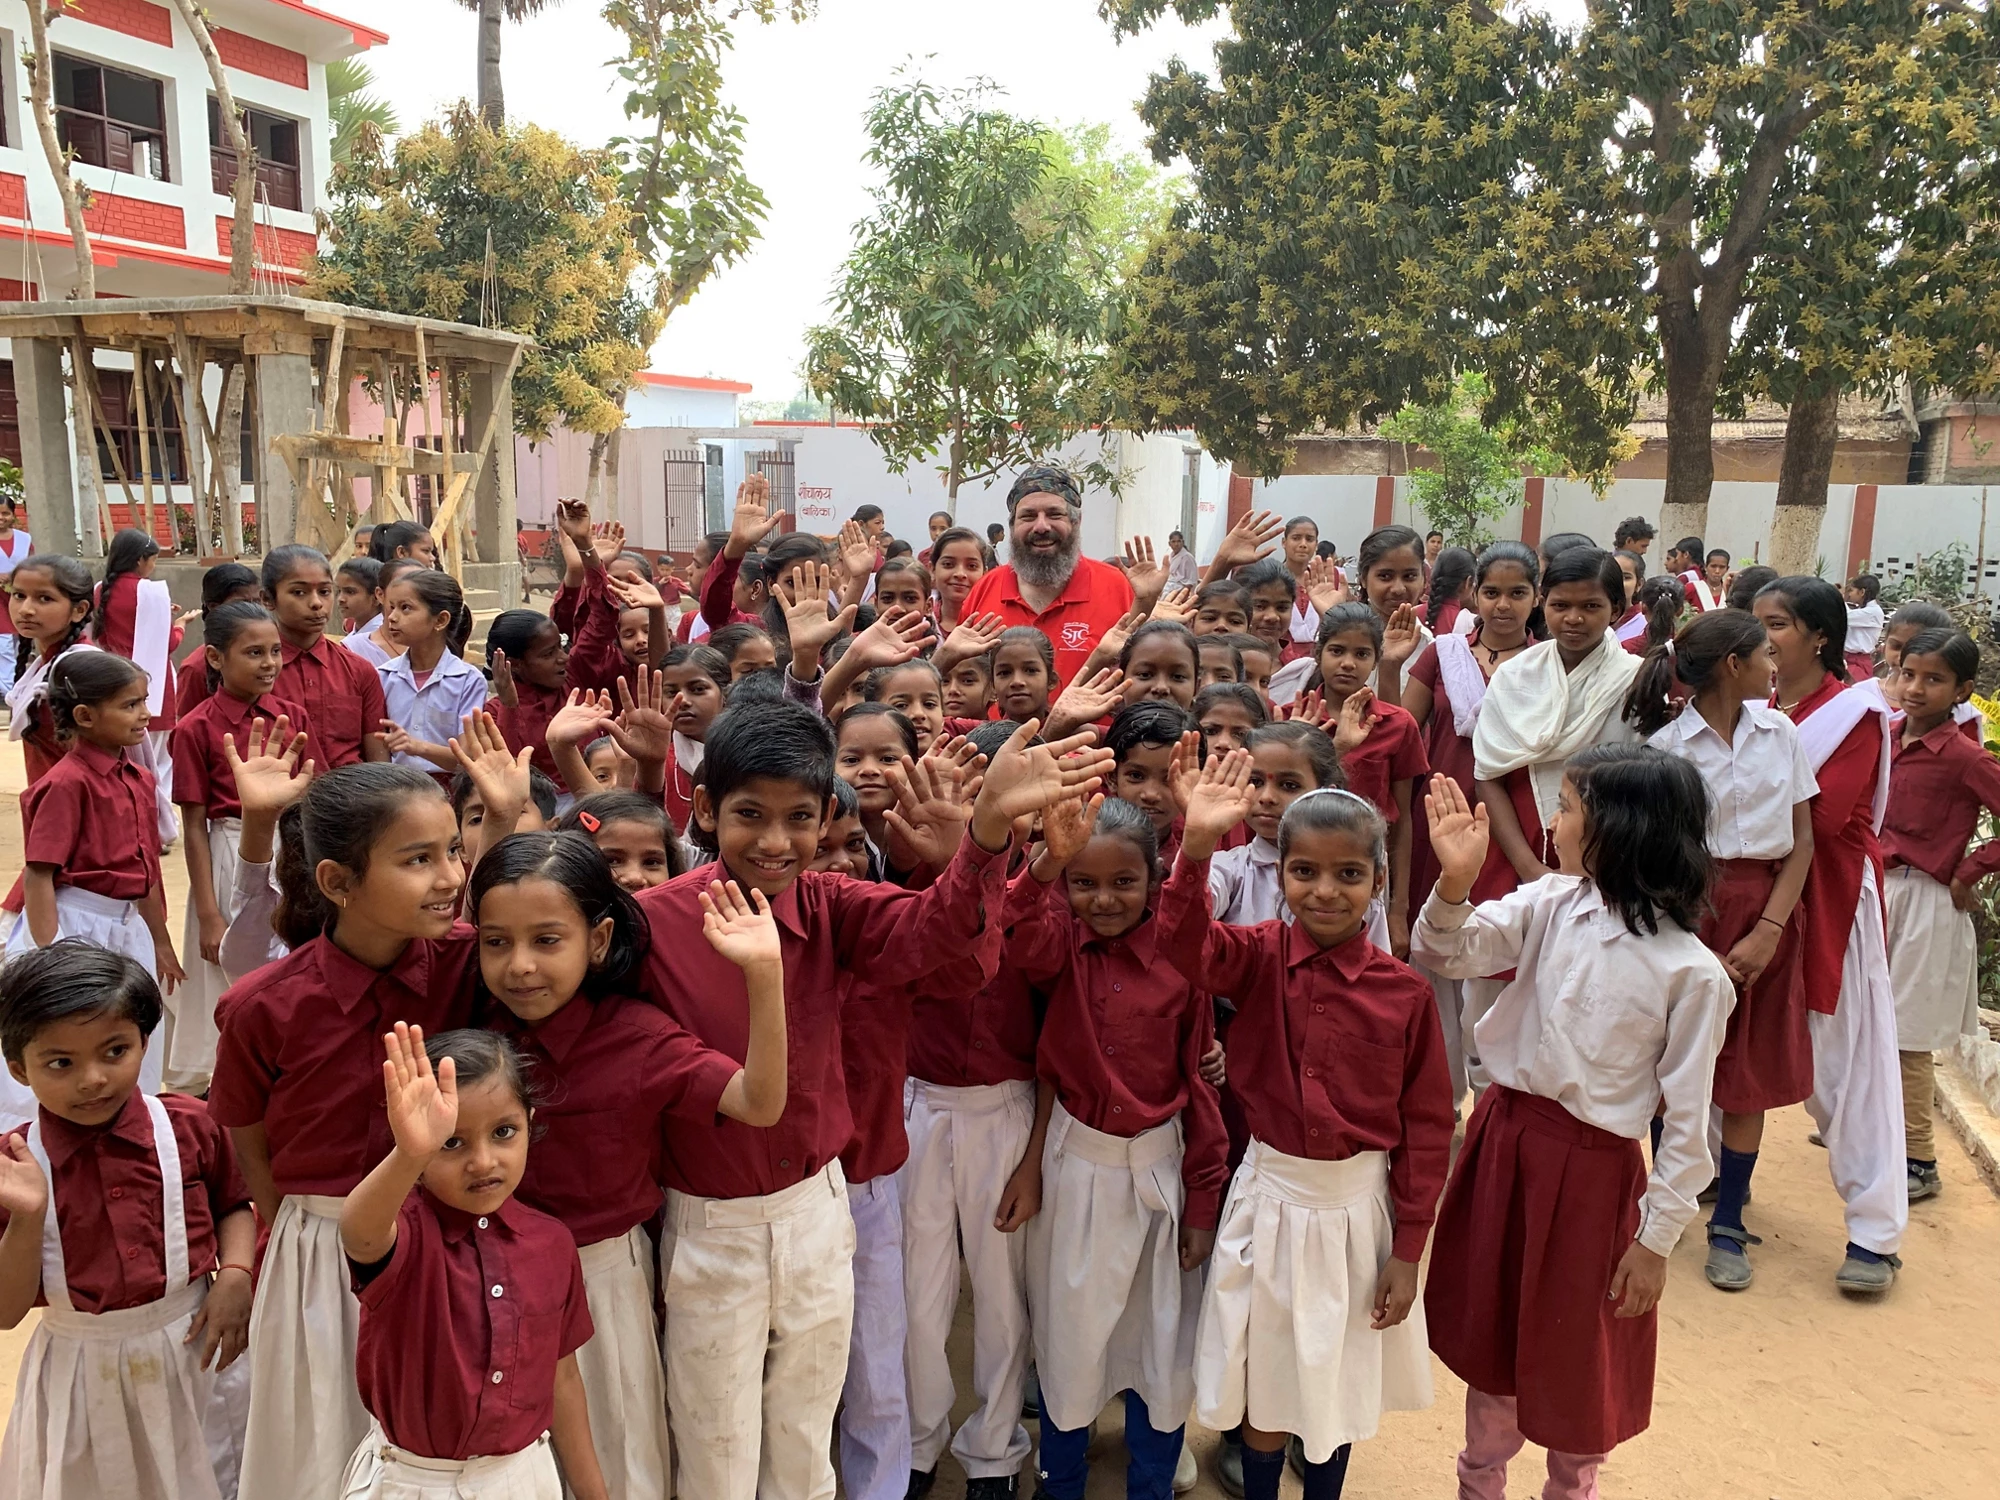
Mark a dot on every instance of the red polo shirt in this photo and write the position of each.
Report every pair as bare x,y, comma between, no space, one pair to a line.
93,818
463,1325
202,777
1093,600
1938,786
109,1207
612,1068
340,692
301,1052
1333,1051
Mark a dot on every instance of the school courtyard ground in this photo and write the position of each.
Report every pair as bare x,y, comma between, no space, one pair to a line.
1785,1392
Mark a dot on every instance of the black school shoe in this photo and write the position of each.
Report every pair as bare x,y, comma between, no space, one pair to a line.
993,1487
921,1481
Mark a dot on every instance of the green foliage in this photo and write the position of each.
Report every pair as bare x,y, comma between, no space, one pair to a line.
12,485
410,234
804,406
972,313
1936,579
693,208
1473,472
351,109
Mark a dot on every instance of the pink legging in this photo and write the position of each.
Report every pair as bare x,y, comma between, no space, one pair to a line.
1493,1436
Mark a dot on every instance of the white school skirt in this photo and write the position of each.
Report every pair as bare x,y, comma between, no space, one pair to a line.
306,1416
108,923
189,1030
106,1399
1933,962
379,1470
1110,1306
1284,1337
623,1378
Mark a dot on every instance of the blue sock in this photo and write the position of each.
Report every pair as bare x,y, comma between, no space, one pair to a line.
1657,1128
1867,1257
1261,1473
1733,1186
1325,1481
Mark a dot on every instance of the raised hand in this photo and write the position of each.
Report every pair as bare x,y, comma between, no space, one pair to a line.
1324,585
644,728
1024,779
498,774
1400,636
1249,540
1176,607
1067,826
269,778
423,1108
810,623
1182,767
857,553
1358,718
1087,700
741,930
573,521
581,719
1218,799
1458,835
1143,571
927,824
638,594
1112,643
23,1189
505,693
753,520
608,538
889,642
969,638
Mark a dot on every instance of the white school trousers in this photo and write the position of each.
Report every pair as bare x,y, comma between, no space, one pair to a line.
1285,1337
624,1382
1857,1097
306,1416
1111,1307
874,1404
109,923
189,1027
380,1471
759,1297
1933,962
964,1145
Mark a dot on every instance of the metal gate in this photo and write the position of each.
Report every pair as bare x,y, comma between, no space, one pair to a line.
687,510
779,466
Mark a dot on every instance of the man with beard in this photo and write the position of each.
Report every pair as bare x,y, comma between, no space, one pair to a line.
1047,582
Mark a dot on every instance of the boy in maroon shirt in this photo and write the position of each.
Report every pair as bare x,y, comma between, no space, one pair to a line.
756,1259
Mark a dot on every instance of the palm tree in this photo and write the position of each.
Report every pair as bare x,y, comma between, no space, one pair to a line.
492,101
350,109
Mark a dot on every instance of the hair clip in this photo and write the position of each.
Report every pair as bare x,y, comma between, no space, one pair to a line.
1337,791
1670,648
589,822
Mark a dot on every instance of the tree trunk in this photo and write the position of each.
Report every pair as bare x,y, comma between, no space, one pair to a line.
492,102
1812,428
1691,391
243,223
83,285
593,488
229,459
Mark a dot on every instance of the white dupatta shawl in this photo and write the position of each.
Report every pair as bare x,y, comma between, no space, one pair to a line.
1536,715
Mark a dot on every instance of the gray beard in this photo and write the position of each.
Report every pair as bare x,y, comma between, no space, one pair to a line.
1048,571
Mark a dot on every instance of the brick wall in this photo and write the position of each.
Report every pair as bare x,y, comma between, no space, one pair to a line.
275,247
149,23
17,291
136,219
261,58
13,196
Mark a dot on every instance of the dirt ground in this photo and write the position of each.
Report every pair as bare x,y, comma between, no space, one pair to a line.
1785,1392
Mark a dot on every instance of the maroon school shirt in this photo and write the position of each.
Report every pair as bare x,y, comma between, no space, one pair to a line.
301,1052
191,684
958,1044
595,662
829,926
1938,786
1333,1051
1393,751
526,725
340,692
95,819
202,777
109,1205
615,1071
463,1325
1124,1035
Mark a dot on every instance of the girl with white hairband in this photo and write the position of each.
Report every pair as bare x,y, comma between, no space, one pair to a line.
1310,1324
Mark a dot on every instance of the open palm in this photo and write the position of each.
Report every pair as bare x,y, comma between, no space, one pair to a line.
423,1106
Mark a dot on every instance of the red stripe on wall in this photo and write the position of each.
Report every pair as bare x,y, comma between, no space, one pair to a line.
1531,511
1861,533
1239,500
1385,499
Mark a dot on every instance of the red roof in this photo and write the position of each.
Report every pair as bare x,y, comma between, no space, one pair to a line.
686,382
364,36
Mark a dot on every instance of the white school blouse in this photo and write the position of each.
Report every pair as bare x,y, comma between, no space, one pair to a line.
1753,784
1604,1022
1864,628
1243,885
436,711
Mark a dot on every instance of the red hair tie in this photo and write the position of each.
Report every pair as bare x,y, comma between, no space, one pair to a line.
589,822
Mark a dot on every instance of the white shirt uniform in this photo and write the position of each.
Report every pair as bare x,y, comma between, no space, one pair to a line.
1604,1022
1183,572
1244,889
1753,784
1864,628
436,711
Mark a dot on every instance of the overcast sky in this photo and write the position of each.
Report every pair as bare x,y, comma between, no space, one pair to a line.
803,90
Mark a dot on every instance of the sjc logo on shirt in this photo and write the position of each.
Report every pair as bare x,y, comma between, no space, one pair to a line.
1075,635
